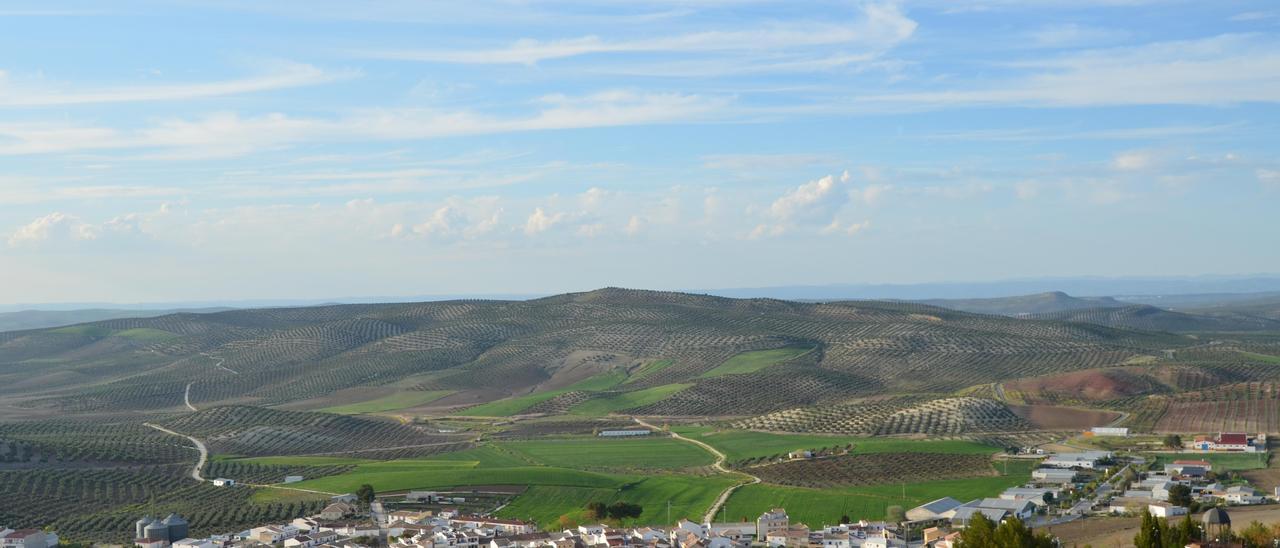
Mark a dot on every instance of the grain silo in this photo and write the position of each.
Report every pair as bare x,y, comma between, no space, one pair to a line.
155,531
140,527
177,526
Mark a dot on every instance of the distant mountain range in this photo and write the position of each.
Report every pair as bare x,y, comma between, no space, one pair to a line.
36,319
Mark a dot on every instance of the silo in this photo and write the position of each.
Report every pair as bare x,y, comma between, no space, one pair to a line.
140,527
156,530
177,527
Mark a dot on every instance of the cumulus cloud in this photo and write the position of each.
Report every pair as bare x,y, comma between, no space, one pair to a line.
813,199
539,221
52,226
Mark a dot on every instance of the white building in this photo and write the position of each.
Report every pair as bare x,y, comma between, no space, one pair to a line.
224,482
1110,431
1165,510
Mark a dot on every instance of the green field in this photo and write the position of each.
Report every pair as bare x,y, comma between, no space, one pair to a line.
513,406
649,369
817,507
393,402
1261,357
1221,461
648,453
626,400
689,497
750,362
743,444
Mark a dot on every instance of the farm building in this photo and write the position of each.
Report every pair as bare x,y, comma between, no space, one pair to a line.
965,513
224,482
28,538
1190,468
1021,509
422,496
1232,441
800,454
1166,510
938,509
1037,496
1054,475
623,433
293,479
1109,431
1084,459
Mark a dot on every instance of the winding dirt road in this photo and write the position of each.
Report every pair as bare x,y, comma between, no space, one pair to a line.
204,451
719,465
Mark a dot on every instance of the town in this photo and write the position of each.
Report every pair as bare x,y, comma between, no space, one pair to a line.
1066,487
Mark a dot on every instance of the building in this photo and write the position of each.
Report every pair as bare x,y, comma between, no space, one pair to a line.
938,509
1085,459
791,537
1037,495
502,526
1232,441
1054,475
623,433
772,521
1021,509
1109,431
336,511
224,482
1166,510
964,514
293,479
26,538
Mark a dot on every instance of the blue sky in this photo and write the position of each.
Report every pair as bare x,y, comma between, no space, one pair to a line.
157,151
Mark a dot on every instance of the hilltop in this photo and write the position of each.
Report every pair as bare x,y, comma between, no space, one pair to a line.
1039,303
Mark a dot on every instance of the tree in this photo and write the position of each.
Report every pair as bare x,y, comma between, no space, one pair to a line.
1173,441
980,532
1180,495
1256,534
844,518
598,510
1013,533
895,514
366,494
622,510
1151,533
1185,533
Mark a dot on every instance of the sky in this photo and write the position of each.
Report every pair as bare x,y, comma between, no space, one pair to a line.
192,149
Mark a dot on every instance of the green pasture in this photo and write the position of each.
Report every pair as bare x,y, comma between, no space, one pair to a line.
513,406
743,444
816,507
626,400
644,453
750,362
393,402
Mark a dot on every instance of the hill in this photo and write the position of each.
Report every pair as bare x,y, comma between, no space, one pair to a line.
1150,318
1039,303
36,319
657,353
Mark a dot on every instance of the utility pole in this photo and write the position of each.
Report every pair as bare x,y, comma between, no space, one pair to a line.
668,511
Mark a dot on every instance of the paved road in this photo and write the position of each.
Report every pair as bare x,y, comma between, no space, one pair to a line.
204,451
719,465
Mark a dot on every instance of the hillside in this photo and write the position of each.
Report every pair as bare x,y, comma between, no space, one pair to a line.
37,319
650,352
1150,318
1039,303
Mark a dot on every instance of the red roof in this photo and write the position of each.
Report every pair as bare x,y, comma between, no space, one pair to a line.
1233,439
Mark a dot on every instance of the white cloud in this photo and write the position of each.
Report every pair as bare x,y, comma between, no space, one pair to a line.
634,225
277,75
880,26
1133,160
817,198
849,229
1268,177
53,225
539,221
227,133
1071,34
1221,70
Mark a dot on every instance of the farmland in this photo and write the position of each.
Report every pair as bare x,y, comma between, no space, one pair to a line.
510,394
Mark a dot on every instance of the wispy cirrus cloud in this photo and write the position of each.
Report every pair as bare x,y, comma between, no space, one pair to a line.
276,75
878,26
230,134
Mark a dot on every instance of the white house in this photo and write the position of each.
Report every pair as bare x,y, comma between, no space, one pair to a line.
224,482
1166,510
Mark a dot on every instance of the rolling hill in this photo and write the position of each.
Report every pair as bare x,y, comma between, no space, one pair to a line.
551,354
1039,303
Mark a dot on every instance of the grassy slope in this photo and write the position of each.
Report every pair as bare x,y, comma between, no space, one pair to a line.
513,406
649,369
742,444
593,453
393,402
816,507
750,362
689,497
626,400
